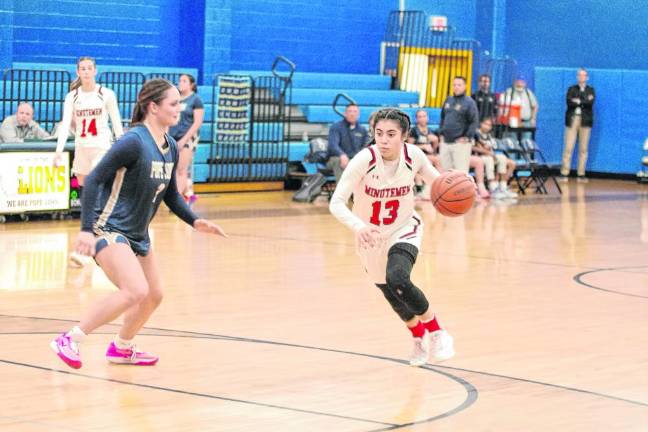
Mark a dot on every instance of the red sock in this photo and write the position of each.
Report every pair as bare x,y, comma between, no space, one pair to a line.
432,325
418,330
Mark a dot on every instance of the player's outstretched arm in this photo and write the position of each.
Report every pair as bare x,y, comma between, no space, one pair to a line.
179,207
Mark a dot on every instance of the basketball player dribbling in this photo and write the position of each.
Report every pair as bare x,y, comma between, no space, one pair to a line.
387,228
89,105
122,195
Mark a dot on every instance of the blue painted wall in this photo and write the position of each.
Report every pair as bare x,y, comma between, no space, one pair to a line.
137,32
462,14
6,32
217,37
318,35
589,33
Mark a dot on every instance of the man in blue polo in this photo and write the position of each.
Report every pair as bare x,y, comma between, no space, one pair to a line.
459,122
345,139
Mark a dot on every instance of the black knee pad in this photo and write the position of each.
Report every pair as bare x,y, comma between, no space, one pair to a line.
397,304
402,257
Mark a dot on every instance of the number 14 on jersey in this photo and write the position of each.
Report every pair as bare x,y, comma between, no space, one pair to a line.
91,128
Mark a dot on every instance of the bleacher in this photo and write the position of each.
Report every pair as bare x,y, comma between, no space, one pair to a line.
313,95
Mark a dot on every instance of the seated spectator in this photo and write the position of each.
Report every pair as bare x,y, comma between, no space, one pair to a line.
476,163
21,126
346,138
484,149
424,138
422,135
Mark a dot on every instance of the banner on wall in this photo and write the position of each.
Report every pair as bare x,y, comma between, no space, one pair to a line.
29,182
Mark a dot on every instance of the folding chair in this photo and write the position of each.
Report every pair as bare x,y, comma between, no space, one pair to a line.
511,148
541,170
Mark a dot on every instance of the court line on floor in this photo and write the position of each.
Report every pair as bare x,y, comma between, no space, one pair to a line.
430,367
189,393
578,278
471,391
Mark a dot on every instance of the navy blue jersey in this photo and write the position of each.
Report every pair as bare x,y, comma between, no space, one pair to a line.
124,191
188,105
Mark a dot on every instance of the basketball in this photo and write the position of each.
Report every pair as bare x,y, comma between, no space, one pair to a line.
453,193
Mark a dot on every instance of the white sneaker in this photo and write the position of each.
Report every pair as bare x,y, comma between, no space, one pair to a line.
441,345
420,351
78,260
498,194
509,193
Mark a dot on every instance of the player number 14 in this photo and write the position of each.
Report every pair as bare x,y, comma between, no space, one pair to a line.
91,129
391,206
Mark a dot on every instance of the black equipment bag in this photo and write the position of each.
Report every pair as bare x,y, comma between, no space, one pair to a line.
311,188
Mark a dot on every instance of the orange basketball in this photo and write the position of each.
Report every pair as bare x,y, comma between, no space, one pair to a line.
453,193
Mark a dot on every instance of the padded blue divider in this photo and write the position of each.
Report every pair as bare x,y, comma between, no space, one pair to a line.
362,97
232,171
316,80
620,111
325,114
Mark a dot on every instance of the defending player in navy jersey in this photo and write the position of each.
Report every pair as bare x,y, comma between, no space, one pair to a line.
387,228
120,199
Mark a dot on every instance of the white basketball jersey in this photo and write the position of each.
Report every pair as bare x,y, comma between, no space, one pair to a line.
383,192
91,111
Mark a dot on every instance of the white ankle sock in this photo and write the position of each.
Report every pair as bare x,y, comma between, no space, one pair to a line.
123,343
76,334
492,185
503,185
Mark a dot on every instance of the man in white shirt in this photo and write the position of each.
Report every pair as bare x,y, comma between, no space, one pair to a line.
21,126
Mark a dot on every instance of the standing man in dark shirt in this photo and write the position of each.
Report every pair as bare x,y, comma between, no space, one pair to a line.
578,121
345,139
459,122
485,100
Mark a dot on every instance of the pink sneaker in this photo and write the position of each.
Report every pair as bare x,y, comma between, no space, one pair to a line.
67,350
129,356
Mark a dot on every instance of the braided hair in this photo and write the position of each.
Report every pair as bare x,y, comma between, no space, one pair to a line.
395,115
152,91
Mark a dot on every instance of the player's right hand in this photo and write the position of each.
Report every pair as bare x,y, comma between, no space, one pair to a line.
85,244
368,237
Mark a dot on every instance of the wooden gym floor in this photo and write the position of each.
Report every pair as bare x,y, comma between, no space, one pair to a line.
277,328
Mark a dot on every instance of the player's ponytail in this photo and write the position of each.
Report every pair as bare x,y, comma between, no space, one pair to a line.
152,91
77,82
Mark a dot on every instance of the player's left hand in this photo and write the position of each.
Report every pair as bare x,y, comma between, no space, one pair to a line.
209,227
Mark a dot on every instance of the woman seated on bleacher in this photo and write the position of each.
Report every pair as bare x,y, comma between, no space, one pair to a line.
427,140
484,149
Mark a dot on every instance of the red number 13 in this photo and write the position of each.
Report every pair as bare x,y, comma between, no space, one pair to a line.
392,206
